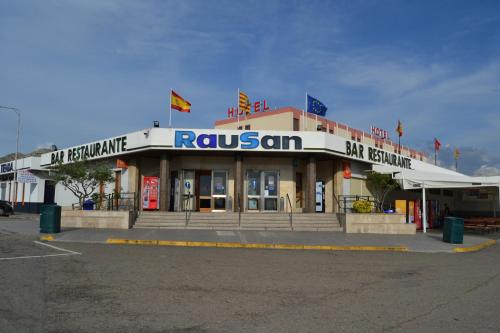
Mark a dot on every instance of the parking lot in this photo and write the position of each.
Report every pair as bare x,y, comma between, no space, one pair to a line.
79,287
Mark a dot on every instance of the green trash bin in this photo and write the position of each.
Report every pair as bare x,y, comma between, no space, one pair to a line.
453,230
50,219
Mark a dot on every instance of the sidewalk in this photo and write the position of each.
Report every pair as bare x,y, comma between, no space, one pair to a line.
307,240
430,242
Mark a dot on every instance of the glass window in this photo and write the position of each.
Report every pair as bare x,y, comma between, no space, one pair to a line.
205,184
270,184
219,183
253,183
253,204
219,203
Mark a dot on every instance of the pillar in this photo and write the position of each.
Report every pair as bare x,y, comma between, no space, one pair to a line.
238,182
311,184
134,179
338,178
164,182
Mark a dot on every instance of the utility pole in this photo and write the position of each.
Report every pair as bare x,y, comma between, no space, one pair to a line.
18,113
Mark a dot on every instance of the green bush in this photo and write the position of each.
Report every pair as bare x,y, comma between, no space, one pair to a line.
362,206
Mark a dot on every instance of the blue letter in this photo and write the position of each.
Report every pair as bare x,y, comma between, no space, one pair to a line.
212,141
185,138
247,140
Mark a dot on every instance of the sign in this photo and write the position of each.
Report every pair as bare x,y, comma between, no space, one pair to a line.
90,151
121,164
150,193
346,168
259,106
245,140
380,133
358,150
7,167
25,176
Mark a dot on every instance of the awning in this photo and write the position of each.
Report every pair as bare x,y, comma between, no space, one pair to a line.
410,179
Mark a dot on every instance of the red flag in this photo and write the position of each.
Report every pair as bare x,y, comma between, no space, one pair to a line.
437,144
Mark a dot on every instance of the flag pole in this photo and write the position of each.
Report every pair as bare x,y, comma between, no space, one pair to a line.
170,108
238,107
305,112
435,153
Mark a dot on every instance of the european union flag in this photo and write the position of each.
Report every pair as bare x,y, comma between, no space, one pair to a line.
315,106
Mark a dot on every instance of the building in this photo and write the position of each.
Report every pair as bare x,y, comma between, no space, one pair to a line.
273,161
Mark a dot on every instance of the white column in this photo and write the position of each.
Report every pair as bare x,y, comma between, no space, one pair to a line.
424,209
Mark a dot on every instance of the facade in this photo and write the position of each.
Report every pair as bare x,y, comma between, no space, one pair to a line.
276,161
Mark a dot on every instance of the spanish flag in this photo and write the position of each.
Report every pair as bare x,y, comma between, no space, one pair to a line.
178,103
399,129
244,102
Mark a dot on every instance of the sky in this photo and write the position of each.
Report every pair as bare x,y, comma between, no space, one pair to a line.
82,70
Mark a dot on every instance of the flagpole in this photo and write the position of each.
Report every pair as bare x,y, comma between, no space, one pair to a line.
435,154
305,113
170,108
238,107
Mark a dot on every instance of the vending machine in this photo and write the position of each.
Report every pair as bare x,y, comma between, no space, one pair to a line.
150,192
320,196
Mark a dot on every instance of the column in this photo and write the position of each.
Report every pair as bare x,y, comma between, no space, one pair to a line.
134,180
164,182
238,182
338,178
311,184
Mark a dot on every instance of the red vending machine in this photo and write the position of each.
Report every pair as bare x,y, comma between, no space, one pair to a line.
417,215
150,192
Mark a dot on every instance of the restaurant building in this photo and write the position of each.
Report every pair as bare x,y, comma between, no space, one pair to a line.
273,161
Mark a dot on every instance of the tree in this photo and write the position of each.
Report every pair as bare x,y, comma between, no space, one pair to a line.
82,178
380,185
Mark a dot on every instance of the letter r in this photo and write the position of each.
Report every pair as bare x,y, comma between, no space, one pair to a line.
184,138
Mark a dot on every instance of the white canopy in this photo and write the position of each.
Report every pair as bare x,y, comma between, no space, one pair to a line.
441,178
437,178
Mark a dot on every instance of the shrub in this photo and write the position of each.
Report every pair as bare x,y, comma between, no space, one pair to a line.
362,206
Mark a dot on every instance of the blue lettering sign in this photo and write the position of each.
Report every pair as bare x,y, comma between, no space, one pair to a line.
249,140
184,138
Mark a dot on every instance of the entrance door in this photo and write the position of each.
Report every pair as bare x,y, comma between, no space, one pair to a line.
253,190
188,191
204,195
298,190
270,195
49,192
219,190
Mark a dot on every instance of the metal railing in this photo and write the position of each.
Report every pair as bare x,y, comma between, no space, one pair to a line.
346,201
187,207
290,214
337,201
238,198
114,201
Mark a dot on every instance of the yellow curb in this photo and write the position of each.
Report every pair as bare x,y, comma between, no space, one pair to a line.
475,247
172,243
258,245
46,238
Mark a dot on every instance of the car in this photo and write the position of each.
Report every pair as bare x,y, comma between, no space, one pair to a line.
5,208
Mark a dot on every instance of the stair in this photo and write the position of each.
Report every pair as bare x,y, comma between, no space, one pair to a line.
229,221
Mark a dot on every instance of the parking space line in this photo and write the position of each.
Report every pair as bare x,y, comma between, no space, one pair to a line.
67,253
57,248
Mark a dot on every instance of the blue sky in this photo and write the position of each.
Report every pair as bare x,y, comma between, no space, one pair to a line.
84,70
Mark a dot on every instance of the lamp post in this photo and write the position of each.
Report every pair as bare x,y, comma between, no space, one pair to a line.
18,113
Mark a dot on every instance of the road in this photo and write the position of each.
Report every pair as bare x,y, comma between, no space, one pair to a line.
127,288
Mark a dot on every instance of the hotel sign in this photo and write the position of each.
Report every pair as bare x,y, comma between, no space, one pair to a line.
257,107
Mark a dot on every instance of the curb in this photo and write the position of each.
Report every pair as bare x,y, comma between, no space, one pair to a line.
256,245
475,247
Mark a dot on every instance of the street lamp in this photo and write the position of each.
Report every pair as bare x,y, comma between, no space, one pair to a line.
18,113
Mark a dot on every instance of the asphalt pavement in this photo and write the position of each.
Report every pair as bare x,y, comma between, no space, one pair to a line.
93,287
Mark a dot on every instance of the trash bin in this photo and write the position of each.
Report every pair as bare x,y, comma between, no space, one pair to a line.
50,219
453,230
88,205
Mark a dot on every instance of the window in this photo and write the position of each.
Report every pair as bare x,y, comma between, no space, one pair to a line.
247,127
296,124
240,127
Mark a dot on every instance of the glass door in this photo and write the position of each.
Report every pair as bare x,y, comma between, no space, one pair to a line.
253,190
205,187
270,195
219,191
188,191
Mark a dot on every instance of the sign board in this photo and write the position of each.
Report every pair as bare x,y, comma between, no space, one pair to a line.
6,167
380,133
25,176
256,107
